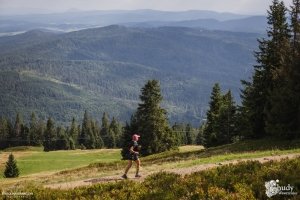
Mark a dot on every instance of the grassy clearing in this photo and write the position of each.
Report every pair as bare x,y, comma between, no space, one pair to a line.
37,163
63,166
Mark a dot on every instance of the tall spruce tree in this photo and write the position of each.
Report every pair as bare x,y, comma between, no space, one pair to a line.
156,133
98,139
18,128
256,97
116,128
190,134
41,131
87,137
283,116
178,135
74,134
108,136
34,138
50,136
11,169
209,132
225,120
4,134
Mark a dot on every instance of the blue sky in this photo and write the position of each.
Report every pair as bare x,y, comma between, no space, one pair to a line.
234,6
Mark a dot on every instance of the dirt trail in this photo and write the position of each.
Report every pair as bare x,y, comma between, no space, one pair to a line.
181,171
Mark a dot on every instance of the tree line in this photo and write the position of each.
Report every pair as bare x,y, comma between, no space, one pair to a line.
88,135
149,121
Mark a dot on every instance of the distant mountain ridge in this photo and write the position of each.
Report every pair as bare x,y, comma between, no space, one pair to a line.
73,20
255,24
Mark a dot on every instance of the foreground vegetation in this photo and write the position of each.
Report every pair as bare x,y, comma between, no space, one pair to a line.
242,181
246,180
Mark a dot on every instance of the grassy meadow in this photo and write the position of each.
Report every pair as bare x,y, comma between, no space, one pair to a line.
34,162
38,168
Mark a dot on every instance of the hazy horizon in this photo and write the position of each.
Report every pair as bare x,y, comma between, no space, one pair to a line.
246,7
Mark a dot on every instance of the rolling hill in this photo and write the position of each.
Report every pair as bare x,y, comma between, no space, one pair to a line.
103,69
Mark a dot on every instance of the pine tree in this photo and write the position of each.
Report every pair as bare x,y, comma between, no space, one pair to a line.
4,134
11,169
257,106
225,120
109,138
190,134
156,133
74,132
62,142
84,129
50,136
178,134
116,128
98,139
182,131
209,132
16,138
87,137
283,115
34,139
200,136
41,131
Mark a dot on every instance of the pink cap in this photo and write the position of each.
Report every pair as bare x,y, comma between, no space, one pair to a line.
135,136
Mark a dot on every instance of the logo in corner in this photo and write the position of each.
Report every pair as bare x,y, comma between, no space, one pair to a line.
271,188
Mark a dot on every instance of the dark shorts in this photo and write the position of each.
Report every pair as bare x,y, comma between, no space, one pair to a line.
132,156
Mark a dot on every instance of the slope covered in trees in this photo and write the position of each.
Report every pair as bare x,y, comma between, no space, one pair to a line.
101,70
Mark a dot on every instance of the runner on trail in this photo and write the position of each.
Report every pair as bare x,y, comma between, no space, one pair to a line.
133,156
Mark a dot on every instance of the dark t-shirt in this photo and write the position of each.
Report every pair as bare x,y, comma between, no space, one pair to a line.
134,144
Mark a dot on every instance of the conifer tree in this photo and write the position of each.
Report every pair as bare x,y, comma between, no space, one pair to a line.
34,139
156,133
108,136
283,115
98,139
116,128
41,131
11,169
87,137
256,97
200,136
50,136
178,134
74,134
225,120
17,131
182,130
4,133
62,141
209,132
190,134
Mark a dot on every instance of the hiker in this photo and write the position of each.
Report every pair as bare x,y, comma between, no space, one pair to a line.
133,156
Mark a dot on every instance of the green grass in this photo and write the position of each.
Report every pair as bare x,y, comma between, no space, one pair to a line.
31,162
61,166
230,157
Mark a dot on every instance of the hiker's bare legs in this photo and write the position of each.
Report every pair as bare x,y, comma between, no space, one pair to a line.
137,166
128,166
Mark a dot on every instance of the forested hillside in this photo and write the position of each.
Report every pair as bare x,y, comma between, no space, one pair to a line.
103,69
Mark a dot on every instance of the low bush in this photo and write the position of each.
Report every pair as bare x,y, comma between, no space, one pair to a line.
244,180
